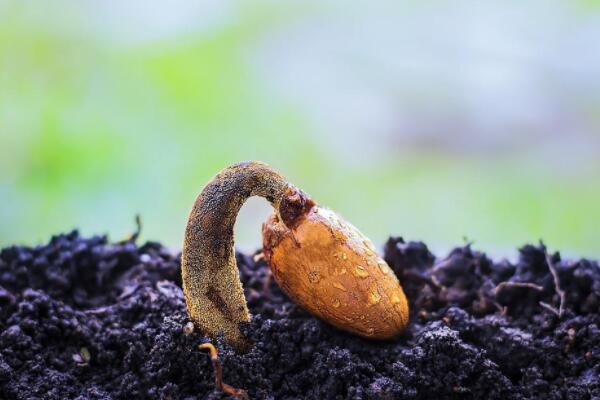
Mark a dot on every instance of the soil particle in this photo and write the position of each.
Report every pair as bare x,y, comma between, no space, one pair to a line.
83,318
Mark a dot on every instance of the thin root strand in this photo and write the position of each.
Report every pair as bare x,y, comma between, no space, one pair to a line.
550,308
225,388
529,285
561,293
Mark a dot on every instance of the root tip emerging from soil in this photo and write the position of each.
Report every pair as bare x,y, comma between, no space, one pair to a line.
225,388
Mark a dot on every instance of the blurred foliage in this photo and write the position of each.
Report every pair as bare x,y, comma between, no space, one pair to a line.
94,131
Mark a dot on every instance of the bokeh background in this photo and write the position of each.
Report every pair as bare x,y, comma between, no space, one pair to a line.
439,121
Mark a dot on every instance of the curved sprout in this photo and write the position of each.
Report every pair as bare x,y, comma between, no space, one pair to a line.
211,282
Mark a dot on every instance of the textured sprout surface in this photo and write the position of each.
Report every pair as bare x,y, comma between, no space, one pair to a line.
85,318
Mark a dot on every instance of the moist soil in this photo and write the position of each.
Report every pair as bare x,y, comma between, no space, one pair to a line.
83,318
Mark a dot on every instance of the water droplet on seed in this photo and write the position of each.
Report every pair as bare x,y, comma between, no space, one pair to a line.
374,296
360,272
384,267
368,244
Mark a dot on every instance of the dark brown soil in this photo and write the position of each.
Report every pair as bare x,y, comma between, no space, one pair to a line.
88,319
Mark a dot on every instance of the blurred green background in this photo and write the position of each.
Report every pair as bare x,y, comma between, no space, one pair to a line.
437,121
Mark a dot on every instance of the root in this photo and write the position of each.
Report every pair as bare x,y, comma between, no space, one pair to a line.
550,308
225,388
561,293
501,286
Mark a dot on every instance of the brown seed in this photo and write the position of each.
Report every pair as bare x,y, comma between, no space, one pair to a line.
368,289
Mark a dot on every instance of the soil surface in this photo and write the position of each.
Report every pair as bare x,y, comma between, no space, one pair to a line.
83,318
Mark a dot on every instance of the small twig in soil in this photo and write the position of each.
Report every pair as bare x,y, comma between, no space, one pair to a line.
441,264
482,295
502,285
504,311
138,229
258,257
550,308
561,293
529,285
225,388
